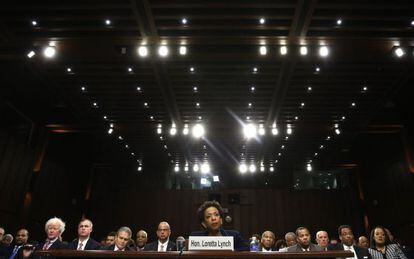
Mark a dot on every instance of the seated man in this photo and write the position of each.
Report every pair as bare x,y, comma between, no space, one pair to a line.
142,238
304,244
363,242
347,243
123,235
84,240
163,243
15,251
110,238
322,239
267,241
210,215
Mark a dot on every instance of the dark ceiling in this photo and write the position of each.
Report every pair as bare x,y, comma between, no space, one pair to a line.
223,39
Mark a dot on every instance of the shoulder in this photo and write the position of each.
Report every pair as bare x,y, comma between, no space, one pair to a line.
292,248
108,248
94,244
314,247
234,233
151,246
198,233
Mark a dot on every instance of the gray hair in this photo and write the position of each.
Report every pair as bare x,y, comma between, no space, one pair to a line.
290,234
273,234
124,229
56,221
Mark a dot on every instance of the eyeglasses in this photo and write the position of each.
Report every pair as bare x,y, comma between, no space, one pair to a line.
163,229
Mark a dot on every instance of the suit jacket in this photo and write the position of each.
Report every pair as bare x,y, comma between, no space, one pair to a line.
362,253
239,243
298,248
154,246
90,245
55,246
112,247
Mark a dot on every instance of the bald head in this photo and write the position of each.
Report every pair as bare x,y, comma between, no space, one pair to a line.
363,242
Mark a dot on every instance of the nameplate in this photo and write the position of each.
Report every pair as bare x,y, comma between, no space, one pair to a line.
197,243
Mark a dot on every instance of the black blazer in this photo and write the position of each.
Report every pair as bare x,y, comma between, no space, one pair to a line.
55,246
90,245
239,243
362,253
298,248
154,246
112,247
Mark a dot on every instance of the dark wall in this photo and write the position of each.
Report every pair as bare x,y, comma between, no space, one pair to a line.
388,184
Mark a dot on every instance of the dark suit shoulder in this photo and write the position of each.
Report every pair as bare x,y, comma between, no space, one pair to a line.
92,245
199,233
107,248
153,246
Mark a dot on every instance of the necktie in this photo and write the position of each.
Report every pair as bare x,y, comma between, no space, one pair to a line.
16,248
80,246
46,246
162,248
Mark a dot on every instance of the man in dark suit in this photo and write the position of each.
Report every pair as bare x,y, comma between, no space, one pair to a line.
122,237
347,243
267,242
84,240
163,243
15,250
210,216
304,244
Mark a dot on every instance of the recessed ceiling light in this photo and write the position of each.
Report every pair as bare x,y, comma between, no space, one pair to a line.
192,69
338,21
364,88
328,138
317,69
95,104
252,89
343,118
142,51
69,69
412,23
302,104
198,105
184,20
83,89
309,88
105,117
163,51
49,52
262,20
183,50
146,104
399,52
296,118
353,104
31,54
250,105
283,50
34,22
195,88
130,69
254,69
108,22
303,50
263,50
323,51
139,89
151,117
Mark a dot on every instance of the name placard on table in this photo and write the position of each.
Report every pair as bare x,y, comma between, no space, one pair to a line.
197,243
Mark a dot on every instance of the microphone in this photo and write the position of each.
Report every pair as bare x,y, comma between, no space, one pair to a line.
180,243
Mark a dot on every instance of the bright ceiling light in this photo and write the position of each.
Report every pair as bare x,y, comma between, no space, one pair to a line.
323,51
252,89
108,22
339,21
255,70
203,181
130,69
173,130
262,168
261,130
184,21
110,131
159,129
317,69
262,20
250,131
216,178
271,169
309,167
183,50
242,168
263,50
34,23
205,168
275,131
176,168
186,130
196,168
139,168
283,50
142,51
195,88
289,130
252,168
31,54
399,52
303,50
309,88
192,69
49,52
163,51
337,131
198,131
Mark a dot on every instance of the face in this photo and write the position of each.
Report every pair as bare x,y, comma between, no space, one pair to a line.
163,231
21,237
347,237
268,239
322,239
53,231
303,237
110,240
212,219
2,231
121,240
379,236
84,228
363,242
290,240
141,238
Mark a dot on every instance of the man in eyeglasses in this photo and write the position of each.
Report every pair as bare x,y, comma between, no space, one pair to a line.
123,235
84,240
163,244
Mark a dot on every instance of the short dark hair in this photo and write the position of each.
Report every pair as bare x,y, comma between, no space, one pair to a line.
111,234
299,229
208,204
372,240
342,227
